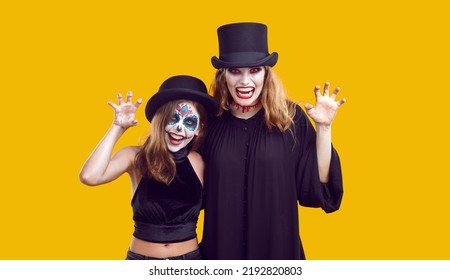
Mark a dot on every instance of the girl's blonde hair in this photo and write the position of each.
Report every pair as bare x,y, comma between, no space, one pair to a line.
279,111
154,160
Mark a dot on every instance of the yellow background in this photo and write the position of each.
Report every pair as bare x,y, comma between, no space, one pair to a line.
61,61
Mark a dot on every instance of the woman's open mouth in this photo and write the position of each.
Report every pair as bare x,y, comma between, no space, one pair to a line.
245,92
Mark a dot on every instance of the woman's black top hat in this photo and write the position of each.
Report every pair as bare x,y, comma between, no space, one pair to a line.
243,45
181,87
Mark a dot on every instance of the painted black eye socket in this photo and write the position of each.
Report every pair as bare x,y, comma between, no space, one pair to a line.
174,119
255,69
191,122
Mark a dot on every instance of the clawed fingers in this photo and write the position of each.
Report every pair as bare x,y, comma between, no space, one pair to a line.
335,92
340,102
119,97
308,106
128,101
326,89
317,91
112,105
129,96
138,102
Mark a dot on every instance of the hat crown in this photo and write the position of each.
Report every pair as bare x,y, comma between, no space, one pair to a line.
183,82
243,37
243,44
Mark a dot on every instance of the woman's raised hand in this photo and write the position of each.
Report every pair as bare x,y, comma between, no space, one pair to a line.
324,112
124,113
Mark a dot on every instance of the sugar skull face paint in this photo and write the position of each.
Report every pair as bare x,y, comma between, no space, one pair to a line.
182,127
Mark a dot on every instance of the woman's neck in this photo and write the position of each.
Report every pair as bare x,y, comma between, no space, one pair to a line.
244,112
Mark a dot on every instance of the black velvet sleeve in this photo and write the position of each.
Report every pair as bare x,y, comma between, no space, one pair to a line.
310,191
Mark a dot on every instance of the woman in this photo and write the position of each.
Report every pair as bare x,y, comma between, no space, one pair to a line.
166,173
262,154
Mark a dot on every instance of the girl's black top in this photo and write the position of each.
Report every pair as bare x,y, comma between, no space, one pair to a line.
168,213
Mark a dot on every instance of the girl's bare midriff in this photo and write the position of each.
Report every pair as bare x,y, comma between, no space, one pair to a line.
162,250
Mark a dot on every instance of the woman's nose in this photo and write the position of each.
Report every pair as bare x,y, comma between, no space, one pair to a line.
245,79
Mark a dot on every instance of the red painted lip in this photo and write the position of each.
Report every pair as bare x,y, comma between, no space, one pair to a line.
174,141
247,95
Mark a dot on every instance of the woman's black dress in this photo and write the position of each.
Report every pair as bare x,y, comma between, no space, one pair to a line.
253,181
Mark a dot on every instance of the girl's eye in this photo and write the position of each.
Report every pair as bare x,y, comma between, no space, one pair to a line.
233,70
174,119
191,123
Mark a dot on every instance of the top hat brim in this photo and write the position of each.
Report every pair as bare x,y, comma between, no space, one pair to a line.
161,97
238,62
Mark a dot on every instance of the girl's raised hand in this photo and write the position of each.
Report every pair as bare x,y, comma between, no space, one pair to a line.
124,112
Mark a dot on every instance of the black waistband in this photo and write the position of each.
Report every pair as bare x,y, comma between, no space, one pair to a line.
164,233
194,255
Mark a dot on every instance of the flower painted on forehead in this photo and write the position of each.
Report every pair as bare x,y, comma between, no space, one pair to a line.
184,110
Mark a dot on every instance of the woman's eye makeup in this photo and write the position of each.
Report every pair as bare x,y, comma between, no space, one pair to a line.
255,69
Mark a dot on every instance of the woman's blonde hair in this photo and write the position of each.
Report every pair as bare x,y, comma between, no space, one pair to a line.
154,160
279,111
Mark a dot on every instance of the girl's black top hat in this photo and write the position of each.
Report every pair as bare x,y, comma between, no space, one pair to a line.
181,87
243,45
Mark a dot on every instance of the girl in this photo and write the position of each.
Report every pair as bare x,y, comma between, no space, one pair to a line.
166,173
